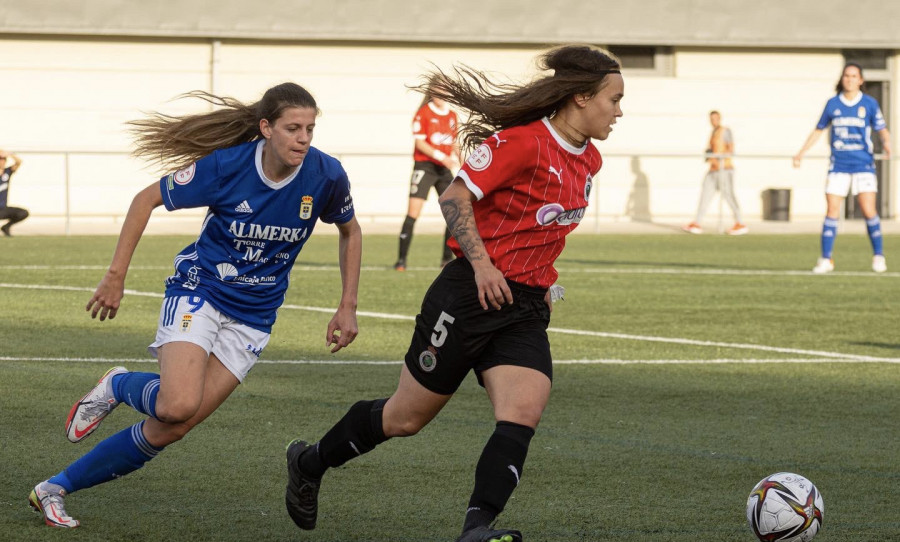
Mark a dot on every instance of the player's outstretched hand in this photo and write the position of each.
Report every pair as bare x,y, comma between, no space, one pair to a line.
107,297
342,329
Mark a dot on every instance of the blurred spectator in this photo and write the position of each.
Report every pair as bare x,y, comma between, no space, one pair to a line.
12,215
719,178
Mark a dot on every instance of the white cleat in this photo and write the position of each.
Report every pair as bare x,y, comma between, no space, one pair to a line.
47,499
823,265
879,265
89,411
693,227
738,229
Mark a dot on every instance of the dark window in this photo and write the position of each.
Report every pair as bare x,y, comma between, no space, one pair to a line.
638,57
869,59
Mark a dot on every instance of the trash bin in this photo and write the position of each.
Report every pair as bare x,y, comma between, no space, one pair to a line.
777,204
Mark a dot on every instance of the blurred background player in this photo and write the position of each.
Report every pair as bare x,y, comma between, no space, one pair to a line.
12,215
243,162
436,156
719,178
853,115
521,191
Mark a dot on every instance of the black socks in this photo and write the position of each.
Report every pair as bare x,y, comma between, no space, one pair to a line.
406,235
497,473
358,432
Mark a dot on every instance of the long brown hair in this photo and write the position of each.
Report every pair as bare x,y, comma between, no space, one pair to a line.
840,84
494,106
175,142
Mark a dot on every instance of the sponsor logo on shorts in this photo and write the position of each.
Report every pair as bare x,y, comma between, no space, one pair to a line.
428,359
255,350
186,322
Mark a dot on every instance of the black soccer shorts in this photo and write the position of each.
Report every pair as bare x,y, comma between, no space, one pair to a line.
427,174
454,334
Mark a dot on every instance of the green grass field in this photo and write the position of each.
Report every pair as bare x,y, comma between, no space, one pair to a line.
690,367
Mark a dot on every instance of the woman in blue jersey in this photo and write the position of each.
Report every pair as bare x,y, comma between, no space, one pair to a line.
265,187
853,116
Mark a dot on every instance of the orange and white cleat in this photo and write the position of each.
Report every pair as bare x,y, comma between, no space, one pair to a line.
738,229
47,499
693,227
89,411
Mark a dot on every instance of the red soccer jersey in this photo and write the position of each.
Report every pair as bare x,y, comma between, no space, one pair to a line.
437,127
533,188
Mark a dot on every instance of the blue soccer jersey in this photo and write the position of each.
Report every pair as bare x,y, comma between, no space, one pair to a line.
254,228
852,124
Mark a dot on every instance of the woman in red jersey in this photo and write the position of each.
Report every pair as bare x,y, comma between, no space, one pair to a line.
436,157
525,186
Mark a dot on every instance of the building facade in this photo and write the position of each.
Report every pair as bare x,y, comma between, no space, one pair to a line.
76,72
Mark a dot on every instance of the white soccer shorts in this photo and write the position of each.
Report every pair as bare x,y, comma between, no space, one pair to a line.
838,184
193,320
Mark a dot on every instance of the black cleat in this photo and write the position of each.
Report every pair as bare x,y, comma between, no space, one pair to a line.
486,534
400,265
302,495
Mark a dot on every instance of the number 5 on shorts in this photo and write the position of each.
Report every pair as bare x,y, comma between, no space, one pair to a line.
440,330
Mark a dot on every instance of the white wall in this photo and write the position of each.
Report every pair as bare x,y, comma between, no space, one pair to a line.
65,103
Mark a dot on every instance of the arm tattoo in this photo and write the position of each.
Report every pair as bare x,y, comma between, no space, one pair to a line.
460,217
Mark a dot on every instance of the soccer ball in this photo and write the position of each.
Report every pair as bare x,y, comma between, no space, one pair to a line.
785,506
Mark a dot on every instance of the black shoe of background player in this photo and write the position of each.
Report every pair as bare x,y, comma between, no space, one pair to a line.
486,534
302,494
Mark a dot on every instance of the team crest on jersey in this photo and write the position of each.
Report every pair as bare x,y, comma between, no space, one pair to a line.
587,188
861,112
184,176
428,359
186,322
481,158
306,204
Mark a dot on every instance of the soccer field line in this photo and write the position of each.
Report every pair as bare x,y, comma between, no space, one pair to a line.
835,356
717,361
563,270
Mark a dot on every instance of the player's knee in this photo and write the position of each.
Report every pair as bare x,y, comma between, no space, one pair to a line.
173,432
405,427
527,415
176,412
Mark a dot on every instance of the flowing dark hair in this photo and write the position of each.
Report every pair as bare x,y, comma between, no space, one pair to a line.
840,84
176,142
425,90
494,106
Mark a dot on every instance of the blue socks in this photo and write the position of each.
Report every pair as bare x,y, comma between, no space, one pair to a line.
829,232
137,390
118,455
873,225
127,450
